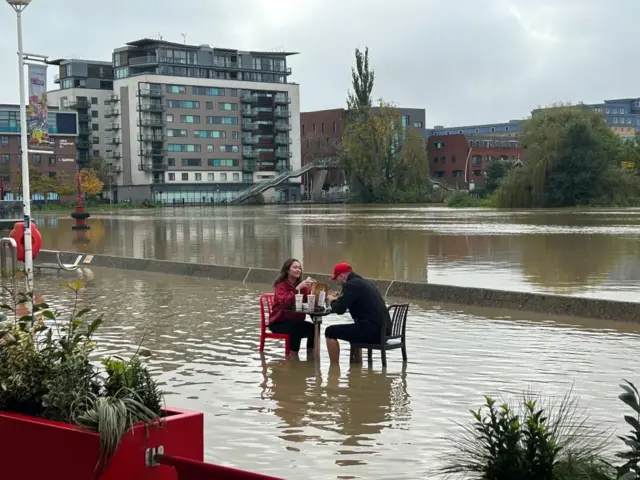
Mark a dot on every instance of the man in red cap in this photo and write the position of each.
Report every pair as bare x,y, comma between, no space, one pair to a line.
367,308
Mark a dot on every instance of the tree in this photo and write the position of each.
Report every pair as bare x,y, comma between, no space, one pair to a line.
573,158
384,161
90,183
496,170
45,185
362,82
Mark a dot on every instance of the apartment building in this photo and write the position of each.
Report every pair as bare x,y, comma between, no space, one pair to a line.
85,86
501,129
198,124
63,131
321,133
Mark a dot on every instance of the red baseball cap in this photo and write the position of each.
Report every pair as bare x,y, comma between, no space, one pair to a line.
340,269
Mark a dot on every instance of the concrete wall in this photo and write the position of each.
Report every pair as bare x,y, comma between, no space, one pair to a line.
480,297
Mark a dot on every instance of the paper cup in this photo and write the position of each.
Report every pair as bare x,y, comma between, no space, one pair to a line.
299,298
311,300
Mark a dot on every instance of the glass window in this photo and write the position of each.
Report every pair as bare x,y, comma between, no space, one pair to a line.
229,107
94,100
236,177
185,177
172,177
176,89
209,148
182,147
183,104
190,118
5,140
191,162
223,177
229,148
169,118
211,177
222,120
198,177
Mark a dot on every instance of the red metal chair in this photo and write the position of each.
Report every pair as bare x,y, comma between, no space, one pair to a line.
266,303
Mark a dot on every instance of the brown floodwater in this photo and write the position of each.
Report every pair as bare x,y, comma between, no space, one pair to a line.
299,420
586,252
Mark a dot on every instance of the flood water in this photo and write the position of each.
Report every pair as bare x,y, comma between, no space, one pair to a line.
297,420
586,252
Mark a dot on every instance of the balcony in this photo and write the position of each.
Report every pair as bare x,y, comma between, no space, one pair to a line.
149,92
113,141
249,166
283,154
151,137
282,127
56,78
151,107
153,167
112,112
83,145
282,99
151,122
84,131
114,155
112,127
146,60
84,118
283,167
281,113
249,140
283,140
152,153
250,127
251,155
76,104
113,98
249,98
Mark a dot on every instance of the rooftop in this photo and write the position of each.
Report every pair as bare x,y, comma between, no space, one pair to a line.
149,42
61,61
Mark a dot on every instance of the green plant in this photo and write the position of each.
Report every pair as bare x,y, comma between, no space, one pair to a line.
133,377
533,441
631,468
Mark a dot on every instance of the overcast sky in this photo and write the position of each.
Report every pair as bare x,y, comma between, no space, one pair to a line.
464,61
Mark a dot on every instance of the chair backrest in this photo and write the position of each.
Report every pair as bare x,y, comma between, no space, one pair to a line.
398,314
266,304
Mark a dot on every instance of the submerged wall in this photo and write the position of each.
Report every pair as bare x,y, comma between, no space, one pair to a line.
480,297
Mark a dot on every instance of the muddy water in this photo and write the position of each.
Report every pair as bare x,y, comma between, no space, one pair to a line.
296,420
584,252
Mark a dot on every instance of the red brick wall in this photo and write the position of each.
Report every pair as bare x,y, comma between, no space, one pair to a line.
321,141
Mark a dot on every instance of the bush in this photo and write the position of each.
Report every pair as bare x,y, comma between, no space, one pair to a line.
465,200
46,372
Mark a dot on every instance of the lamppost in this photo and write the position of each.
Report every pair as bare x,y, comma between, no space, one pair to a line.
19,6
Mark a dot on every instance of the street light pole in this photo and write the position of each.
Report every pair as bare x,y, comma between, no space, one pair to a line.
19,6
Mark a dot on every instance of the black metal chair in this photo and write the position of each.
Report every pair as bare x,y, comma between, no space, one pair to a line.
398,314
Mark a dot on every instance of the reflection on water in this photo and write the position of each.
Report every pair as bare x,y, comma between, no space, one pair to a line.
580,252
295,420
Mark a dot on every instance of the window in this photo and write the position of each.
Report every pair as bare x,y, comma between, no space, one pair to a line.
335,127
185,177
438,145
453,159
172,177
615,120
52,174
219,162
5,140
418,124
176,133
213,92
5,159
176,89
236,177
209,105
314,128
94,114
223,177
171,162
476,160
94,100
95,127
209,134
405,120
211,177
182,147
198,177
191,162
233,92
477,173
322,127
303,129
229,149
96,153
222,120
95,140
169,118
36,159
228,107
236,135
190,118
183,104
52,159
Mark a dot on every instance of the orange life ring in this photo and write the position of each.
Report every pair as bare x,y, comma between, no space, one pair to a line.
18,235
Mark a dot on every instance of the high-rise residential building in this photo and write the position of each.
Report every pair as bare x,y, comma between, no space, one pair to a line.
85,86
62,142
201,124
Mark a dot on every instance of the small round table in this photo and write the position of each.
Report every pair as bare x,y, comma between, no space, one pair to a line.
316,319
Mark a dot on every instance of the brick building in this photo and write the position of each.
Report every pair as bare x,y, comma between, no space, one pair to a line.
460,160
63,131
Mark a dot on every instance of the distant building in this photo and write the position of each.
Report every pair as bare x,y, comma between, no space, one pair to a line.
460,160
321,131
63,131
508,129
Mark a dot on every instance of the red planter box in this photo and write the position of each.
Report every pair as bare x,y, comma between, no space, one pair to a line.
36,449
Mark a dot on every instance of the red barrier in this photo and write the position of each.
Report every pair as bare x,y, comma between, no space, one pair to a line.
18,235
193,470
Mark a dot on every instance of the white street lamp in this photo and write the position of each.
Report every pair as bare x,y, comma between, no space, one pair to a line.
19,6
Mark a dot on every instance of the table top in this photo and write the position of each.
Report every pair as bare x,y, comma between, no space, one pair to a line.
314,313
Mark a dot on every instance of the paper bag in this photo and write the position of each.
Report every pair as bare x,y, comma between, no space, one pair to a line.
320,290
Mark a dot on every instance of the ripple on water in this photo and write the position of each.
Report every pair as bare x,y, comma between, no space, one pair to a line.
296,420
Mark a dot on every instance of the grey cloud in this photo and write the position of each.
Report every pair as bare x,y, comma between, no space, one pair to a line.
465,61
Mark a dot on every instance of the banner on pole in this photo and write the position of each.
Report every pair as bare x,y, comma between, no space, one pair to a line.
37,110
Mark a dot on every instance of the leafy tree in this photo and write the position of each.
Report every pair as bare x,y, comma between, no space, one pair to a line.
383,160
362,81
90,182
496,170
573,158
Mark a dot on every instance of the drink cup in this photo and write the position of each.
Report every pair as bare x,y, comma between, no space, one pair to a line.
299,298
311,300
322,299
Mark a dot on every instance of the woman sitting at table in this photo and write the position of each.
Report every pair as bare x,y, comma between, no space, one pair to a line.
283,319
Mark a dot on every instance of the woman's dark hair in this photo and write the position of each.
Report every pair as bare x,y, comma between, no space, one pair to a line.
283,276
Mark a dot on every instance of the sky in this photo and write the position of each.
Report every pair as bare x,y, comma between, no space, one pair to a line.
465,61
